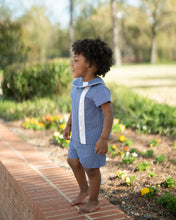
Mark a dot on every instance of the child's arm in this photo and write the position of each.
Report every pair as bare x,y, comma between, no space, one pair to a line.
67,130
101,146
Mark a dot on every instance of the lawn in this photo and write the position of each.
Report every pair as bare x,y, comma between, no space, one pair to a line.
157,82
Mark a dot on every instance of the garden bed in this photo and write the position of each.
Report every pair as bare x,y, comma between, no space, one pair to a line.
114,187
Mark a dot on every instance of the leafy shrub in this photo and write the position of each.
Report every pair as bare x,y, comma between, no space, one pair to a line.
149,153
142,114
23,82
161,158
169,182
168,200
12,110
133,150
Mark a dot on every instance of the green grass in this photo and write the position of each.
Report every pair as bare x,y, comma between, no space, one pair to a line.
134,111
157,82
11,110
142,114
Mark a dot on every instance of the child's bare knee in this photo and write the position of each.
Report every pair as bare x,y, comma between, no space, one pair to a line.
73,163
92,171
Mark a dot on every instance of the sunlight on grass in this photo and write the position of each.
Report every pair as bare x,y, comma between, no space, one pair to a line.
157,82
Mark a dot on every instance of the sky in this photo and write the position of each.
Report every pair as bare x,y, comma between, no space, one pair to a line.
57,10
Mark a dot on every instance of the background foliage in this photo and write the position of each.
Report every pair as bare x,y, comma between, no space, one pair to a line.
22,82
31,36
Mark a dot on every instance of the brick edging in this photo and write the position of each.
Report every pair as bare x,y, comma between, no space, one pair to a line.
34,188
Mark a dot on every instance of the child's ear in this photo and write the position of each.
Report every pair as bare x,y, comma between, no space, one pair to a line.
90,64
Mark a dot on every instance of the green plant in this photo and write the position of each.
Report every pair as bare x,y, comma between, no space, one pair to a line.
149,153
129,180
60,139
161,158
174,143
116,127
154,143
128,160
128,142
169,182
149,192
174,161
143,166
121,175
113,150
133,150
151,174
113,154
141,153
12,110
168,200
23,82
142,114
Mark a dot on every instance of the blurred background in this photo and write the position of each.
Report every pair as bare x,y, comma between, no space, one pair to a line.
35,44
139,31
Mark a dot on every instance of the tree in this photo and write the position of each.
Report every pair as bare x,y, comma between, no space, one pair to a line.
117,54
4,10
37,31
159,13
12,46
71,30
89,23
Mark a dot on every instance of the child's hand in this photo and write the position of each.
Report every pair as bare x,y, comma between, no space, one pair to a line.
66,133
101,146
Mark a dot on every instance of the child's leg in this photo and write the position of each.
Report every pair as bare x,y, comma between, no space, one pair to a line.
79,173
94,187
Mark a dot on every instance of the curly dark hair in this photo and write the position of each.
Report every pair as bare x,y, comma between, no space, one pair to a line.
95,51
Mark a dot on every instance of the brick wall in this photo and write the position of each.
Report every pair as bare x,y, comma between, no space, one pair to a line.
32,187
14,204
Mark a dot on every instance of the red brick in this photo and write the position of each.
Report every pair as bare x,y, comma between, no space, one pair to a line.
33,187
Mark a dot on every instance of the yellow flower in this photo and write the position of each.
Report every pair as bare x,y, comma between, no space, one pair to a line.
24,124
114,146
158,185
159,141
51,118
151,145
42,125
63,126
118,172
122,138
116,121
27,120
144,191
68,141
122,127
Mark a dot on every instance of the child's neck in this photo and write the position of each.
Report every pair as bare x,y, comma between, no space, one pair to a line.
87,79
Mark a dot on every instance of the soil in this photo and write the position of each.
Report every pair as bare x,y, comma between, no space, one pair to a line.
114,189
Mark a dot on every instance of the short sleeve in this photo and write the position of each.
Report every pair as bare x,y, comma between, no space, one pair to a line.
101,95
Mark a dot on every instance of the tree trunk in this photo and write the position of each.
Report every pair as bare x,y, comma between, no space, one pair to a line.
117,55
153,50
71,31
